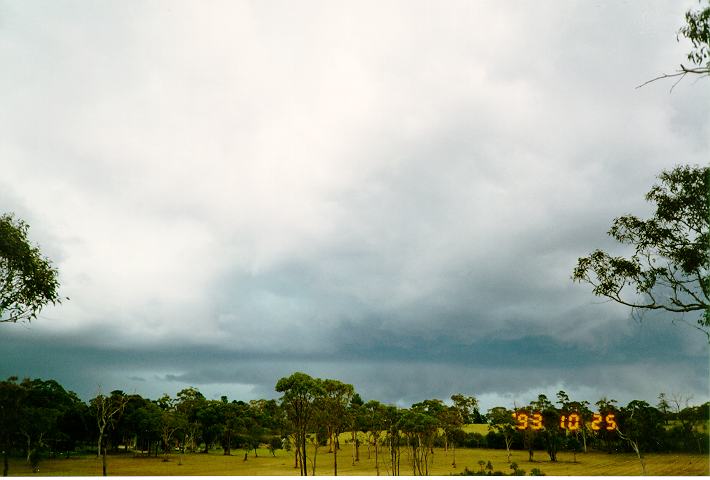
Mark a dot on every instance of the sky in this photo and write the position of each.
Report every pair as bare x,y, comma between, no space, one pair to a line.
393,194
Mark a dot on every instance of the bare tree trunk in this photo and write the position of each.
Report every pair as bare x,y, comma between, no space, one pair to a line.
635,446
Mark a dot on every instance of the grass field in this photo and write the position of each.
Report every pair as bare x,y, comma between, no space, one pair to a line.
282,464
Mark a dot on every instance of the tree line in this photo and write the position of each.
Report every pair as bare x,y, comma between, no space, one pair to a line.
40,418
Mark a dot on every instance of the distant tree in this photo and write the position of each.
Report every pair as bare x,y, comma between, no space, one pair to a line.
605,434
354,415
373,422
335,401
640,425
189,401
106,411
697,30
209,416
300,392
451,420
581,408
391,417
11,397
551,432
467,407
28,281
172,422
420,424
500,420
668,269
663,406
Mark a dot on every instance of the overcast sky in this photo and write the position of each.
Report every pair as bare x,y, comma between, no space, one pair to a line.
393,194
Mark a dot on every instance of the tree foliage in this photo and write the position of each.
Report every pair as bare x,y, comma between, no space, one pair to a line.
697,30
668,269
28,281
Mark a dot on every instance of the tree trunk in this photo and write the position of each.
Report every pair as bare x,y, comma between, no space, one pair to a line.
103,462
508,443
377,466
635,446
304,455
6,463
335,461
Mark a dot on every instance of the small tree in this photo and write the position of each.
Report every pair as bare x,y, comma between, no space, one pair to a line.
28,281
500,420
107,410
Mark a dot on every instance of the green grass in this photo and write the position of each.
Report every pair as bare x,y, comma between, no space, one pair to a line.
215,463
481,428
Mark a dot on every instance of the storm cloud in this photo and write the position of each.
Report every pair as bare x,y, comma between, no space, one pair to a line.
393,194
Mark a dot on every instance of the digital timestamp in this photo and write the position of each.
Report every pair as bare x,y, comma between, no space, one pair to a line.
571,422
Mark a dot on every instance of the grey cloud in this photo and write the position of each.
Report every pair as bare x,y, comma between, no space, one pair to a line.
386,194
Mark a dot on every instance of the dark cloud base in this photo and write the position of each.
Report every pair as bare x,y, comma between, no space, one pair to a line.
654,358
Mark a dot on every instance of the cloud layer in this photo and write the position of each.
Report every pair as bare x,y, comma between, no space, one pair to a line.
391,194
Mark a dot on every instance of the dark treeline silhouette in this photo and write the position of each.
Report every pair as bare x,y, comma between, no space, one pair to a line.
39,418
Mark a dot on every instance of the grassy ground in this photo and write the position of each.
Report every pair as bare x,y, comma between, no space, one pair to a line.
282,464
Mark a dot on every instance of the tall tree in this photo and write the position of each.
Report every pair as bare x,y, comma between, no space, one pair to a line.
28,281
335,401
668,269
373,423
300,392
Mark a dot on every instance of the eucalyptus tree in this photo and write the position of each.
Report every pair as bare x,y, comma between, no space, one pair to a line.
697,30
189,402
420,426
335,400
209,416
373,423
669,267
28,281
500,420
172,422
467,406
391,420
106,410
356,424
552,433
583,414
641,425
300,392
604,425
451,420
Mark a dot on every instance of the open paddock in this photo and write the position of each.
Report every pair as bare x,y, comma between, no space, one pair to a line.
214,463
